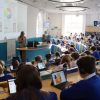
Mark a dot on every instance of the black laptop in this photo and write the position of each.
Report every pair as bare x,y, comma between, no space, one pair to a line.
11,86
59,80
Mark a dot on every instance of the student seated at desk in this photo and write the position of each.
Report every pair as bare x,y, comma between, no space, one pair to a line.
49,61
14,66
66,60
75,57
28,85
65,63
87,52
71,48
57,55
4,77
95,53
2,64
89,87
57,58
37,60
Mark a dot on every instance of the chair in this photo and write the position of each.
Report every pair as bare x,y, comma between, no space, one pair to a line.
96,54
53,96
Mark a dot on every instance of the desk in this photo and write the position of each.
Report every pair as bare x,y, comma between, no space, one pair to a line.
25,49
46,85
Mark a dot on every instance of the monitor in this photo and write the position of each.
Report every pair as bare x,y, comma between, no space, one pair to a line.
30,44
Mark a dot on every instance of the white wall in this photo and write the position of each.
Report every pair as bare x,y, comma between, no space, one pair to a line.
21,17
32,14
31,21
55,20
90,18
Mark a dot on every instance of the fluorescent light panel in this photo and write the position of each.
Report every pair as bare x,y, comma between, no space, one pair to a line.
72,8
66,1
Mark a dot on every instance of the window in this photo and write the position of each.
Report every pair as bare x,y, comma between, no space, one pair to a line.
39,27
73,24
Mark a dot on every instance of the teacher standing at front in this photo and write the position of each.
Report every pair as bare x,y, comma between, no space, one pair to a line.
22,42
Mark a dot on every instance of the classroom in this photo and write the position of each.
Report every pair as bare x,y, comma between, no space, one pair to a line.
49,49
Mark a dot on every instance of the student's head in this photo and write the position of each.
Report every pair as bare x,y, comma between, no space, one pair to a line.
98,48
15,63
2,63
75,55
38,58
28,77
93,48
83,54
87,52
48,57
43,35
1,70
66,59
71,49
57,54
66,52
86,65
32,62
72,46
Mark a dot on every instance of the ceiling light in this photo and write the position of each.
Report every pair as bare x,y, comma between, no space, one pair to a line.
66,1
72,8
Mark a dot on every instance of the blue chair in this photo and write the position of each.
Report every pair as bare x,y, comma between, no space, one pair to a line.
96,54
53,96
52,49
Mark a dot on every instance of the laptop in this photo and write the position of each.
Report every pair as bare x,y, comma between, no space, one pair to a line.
12,69
41,66
11,86
59,80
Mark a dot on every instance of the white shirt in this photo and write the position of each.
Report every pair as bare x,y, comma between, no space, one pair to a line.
90,76
1,75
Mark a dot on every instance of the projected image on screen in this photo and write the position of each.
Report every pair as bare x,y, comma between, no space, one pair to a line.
58,77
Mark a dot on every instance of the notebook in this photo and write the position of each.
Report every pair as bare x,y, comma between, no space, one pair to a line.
59,80
11,86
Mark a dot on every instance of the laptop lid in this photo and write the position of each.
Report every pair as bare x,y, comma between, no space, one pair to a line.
58,77
41,66
11,67
11,86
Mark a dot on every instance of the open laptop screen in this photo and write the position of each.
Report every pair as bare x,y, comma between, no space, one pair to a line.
12,86
58,77
41,66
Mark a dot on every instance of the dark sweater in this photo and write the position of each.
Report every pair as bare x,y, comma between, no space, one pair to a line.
84,90
5,77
